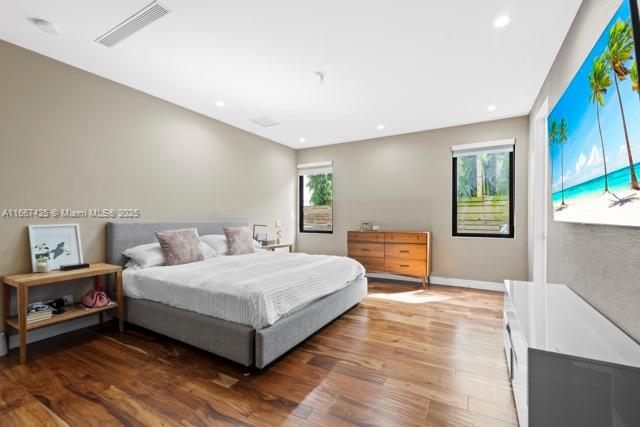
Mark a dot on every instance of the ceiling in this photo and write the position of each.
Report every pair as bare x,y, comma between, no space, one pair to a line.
409,65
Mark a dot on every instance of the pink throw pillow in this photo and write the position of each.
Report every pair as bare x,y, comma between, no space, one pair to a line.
180,246
239,240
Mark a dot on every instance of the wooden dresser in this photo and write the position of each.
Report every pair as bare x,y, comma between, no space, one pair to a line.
406,253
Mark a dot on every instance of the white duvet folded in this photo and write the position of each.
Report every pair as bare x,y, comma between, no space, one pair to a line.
254,289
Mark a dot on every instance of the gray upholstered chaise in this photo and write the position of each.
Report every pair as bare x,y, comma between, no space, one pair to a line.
234,341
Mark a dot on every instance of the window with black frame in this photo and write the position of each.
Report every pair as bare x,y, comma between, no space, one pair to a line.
483,189
316,197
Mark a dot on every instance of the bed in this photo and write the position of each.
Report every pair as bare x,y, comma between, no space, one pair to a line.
186,315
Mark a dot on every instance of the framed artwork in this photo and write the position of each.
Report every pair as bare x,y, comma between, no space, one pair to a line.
594,131
59,243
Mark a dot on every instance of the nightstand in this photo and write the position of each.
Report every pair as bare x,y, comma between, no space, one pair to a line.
22,283
278,246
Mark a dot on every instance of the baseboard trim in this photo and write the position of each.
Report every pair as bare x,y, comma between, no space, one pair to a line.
445,281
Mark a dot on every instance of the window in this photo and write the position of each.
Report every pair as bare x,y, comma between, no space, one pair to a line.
316,197
483,178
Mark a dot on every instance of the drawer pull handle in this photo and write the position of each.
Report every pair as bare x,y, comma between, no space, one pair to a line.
404,265
365,250
404,252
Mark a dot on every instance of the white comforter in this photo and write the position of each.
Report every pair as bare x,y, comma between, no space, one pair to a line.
254,289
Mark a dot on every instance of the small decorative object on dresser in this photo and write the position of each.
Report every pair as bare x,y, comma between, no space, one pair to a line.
58,243
406,253
366,226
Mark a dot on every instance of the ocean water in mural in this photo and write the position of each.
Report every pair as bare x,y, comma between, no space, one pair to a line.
594,134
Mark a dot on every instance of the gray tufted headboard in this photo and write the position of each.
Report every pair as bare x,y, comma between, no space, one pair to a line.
123,235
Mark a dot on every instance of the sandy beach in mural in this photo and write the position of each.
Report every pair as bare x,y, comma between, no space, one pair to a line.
619,208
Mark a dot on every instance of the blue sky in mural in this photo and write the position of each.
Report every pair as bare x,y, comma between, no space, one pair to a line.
582,153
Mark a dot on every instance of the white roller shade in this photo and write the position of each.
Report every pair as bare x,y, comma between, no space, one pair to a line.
500,146
315,168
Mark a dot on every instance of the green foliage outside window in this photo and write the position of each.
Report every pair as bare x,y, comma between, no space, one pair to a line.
493,174
321,189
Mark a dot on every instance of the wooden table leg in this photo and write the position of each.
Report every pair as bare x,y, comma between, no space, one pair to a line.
23,298
101,281
120,298
6,295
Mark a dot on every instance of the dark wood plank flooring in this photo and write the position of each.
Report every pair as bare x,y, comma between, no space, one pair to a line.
404,357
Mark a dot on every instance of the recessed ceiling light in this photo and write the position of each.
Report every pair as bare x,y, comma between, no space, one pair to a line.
44,25
380,127
502,21
303,140
219,103
492,108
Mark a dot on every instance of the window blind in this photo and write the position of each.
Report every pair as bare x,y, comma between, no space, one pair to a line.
500,146
315,168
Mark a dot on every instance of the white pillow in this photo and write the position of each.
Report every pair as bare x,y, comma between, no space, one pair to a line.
132,265
218,242
151,255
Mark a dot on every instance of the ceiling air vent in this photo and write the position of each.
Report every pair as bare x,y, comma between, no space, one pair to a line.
145,16
265,121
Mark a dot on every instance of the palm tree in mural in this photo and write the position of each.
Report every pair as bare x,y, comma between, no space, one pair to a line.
600,81
633,72
562,140
554,138
619,51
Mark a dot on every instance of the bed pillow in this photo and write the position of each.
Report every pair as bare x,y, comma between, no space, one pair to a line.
149,255
217,243
180,246
239,240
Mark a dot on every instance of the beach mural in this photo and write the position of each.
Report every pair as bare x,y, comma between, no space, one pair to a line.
594,134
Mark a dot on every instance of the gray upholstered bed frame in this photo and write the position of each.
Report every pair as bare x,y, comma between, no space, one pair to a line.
234,341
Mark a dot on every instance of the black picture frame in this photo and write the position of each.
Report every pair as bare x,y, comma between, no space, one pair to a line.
512,202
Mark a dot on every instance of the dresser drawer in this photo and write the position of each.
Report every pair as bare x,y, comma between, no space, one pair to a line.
405,251
407,267
371,264
375,250
366,236
420,238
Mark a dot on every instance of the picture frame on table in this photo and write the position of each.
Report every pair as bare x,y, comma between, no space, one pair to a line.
59,243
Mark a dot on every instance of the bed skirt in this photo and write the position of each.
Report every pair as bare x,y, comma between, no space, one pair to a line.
240,343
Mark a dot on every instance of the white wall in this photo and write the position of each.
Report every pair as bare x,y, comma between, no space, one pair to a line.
404,183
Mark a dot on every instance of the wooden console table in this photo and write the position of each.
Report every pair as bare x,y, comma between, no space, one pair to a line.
22,283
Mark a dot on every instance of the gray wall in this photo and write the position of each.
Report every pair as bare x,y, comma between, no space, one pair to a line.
70,139
404,183
601,263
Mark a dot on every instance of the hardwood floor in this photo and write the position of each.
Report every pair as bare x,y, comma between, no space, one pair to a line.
404,357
